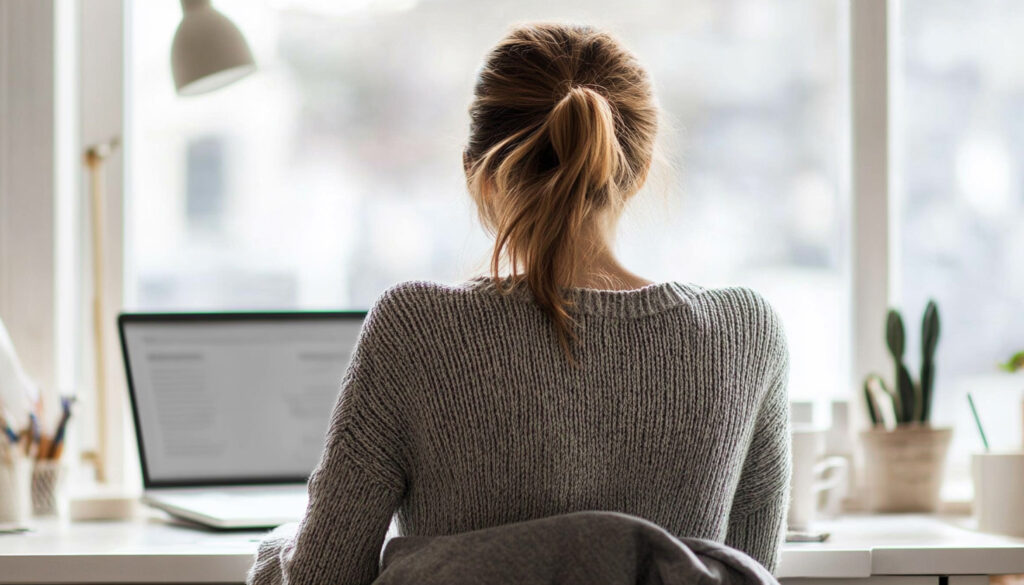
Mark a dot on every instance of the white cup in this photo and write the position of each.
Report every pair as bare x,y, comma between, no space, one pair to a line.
999,492
812,475
15,494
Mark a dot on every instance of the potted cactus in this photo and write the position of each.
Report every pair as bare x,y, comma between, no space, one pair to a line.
904,456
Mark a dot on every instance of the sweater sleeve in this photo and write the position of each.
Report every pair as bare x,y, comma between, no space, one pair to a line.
757,520
360,479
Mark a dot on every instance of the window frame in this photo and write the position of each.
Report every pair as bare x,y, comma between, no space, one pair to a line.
103,109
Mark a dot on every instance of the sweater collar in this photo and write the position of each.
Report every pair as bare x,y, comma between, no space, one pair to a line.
648,300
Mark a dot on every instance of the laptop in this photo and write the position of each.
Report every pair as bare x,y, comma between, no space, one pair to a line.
231,409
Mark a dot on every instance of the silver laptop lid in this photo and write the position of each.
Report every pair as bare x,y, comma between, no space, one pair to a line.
233,398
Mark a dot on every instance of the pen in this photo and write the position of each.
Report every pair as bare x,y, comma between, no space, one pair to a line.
9,447
33,427
58,436
11,435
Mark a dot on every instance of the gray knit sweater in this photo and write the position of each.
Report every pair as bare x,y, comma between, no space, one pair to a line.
460,412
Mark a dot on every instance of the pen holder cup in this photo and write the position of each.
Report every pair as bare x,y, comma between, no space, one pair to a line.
15,496
48,488
999,492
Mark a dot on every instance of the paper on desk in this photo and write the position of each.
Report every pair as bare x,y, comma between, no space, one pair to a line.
17,393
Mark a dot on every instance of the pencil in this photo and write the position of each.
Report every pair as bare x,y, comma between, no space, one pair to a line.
43,452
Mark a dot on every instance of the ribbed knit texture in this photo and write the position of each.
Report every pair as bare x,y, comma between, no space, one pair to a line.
460,412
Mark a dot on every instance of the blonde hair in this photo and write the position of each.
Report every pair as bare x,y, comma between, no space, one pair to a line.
562,130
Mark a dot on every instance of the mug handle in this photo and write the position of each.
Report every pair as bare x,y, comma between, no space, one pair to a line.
839,467
838,478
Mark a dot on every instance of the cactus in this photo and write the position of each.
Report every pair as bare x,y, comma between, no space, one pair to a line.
910,402
929,341
895,337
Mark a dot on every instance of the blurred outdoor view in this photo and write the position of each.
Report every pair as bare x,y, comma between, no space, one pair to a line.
335,170
960,123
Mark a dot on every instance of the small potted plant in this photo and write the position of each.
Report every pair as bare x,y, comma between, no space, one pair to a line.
904,456
1014,364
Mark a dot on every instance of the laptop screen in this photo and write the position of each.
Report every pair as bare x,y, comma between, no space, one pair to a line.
234,398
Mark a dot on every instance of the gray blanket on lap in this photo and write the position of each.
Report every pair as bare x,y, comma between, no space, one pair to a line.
582,548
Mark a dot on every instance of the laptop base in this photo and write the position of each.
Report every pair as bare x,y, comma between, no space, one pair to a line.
232,507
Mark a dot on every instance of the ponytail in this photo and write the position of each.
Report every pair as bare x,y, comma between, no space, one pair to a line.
553,180
539,174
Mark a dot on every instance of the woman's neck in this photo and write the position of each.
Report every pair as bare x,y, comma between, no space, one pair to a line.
599,269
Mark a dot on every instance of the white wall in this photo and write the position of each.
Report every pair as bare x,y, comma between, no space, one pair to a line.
27,182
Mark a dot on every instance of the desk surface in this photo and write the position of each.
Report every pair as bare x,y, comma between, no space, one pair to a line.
861,546
156,550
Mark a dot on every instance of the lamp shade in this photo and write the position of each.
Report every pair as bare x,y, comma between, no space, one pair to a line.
208,51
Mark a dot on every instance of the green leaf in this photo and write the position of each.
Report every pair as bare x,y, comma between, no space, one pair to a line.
927,384
869,400
895,335
908,394
894,398
930,327
1015,363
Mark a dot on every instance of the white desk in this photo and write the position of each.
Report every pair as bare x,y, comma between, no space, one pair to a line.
886,550
902,545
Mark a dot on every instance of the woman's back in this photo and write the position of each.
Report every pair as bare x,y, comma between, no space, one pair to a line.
493,425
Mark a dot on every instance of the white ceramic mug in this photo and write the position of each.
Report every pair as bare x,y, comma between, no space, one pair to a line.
812,475
15,497
999,492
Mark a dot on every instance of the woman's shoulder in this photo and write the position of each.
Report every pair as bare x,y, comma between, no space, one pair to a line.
412,295
414,305
401,301
738,307
743,324
739,300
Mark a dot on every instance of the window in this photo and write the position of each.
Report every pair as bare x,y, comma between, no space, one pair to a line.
961,195
204,184
336,169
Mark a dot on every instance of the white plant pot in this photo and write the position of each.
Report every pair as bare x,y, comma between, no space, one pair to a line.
903,468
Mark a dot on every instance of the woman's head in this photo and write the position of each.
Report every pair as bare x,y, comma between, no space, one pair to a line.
562,129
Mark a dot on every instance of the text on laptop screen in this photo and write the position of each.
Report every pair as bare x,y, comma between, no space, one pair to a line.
235,399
